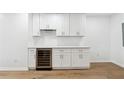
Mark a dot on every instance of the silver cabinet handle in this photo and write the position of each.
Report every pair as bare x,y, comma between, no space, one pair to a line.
78,33
63,33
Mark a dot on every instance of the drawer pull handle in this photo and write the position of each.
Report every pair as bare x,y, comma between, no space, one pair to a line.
78,33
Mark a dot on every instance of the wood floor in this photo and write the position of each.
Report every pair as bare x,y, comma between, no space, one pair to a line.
96,71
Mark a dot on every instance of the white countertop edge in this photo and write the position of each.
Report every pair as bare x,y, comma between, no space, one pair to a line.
58,47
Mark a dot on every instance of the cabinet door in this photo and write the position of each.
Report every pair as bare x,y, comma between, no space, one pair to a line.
77,59
32,58
61,58
77,24
48,21
62,25
86,59
56,58
36,25
56,61
66,62
80,58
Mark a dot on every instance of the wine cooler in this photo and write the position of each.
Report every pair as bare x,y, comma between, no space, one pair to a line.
44,59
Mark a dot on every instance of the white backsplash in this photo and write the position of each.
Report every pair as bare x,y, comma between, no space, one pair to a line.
69,41
49,38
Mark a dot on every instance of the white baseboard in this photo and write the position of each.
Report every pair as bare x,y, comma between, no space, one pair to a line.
71,67
100,61
13,69
119,64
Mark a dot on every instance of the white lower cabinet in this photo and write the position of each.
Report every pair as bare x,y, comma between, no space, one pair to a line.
32,58
61,58
77,60
65,60
56,61
70,59
80,59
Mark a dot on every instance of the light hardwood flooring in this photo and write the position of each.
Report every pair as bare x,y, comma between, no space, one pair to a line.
96,71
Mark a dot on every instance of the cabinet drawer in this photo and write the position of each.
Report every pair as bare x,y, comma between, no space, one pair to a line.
61,50
81,50
61,54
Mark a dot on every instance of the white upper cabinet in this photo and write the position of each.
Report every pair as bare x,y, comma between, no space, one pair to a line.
36,24
64,24
77,24
48,21
71,25
59,22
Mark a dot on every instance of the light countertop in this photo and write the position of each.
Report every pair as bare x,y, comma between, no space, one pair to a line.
58,46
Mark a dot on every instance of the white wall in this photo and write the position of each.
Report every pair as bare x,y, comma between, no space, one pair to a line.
98,37
117,50
13,41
